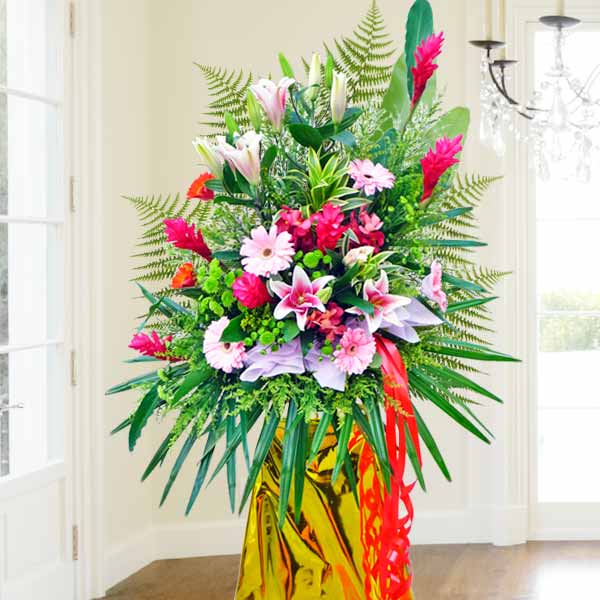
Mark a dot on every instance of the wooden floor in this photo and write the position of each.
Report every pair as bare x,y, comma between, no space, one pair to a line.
538,571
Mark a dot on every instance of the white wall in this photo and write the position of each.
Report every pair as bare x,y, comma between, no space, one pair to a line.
153,99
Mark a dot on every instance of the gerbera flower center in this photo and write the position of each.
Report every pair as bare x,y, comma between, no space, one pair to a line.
267,252
352,349
227,346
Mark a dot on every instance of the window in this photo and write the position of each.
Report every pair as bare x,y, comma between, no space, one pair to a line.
568,314
32,234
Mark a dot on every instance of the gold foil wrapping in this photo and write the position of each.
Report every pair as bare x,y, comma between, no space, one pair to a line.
319,558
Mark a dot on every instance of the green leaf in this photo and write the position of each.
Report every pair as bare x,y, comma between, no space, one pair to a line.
288,460
148,405
300,467
452,347
433,219
202,469
455,380
419,26
123,425
396,101
263,445
225,255
286,68
306,135
379,439
319,436
458,306
244,427
230,123
431,444
231,463
161,453
216,185
342,447
347,277
192,381
426,388
268,158
233,332
352,299
350,117
290,330
414,457
463,284
183,454
453,123
233,201
141,359
328,70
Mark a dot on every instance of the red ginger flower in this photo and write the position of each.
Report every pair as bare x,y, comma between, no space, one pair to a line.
185,236
329,322
368,229
437,162
184,277
150,345
424,68
198,188
329,227
250,290
292,221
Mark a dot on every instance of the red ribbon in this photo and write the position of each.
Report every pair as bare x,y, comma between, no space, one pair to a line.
387,516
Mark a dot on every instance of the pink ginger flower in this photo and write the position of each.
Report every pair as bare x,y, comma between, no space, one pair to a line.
292,221
329,227
273,99
245,156
424,68
225,356
185,236
251,291
267,252
150,345
368,231
436,162
386,306
356,351
300,297
431,287
370,178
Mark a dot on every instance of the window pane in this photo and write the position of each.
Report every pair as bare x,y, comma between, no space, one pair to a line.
31,158
31,284
31,45
572,333
567,436
35,422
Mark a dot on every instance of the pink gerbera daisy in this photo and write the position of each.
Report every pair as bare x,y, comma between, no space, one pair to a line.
224,356
267,252
356,351
369,177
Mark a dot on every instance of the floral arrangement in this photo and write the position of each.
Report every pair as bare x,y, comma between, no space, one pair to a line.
320,269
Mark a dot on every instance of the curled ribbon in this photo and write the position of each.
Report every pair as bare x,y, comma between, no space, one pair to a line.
387,515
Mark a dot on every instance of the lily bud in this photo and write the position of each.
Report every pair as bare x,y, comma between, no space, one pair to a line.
314,76
339,101
254,111
210,156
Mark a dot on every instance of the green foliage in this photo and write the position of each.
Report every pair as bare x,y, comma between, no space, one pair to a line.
158,262
228,90
365,56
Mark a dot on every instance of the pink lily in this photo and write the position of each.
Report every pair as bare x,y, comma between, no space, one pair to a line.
300,297
245,157
386,306
273,99
432,286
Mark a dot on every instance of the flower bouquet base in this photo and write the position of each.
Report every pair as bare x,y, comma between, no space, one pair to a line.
319,555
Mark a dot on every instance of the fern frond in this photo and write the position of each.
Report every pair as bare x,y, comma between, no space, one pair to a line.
365,58
156,264
228,90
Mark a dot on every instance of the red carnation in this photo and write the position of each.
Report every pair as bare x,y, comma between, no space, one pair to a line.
150,345
250,290
329,322
185,236
184,277
368,229
424,68
198,188
436,162
329,227
292,221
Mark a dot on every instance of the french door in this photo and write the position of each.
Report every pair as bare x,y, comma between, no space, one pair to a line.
36,489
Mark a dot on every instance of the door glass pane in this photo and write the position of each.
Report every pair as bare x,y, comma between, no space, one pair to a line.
31,131
568,302
31,46
31,284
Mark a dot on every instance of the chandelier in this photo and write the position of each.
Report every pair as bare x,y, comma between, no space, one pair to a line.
561,116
